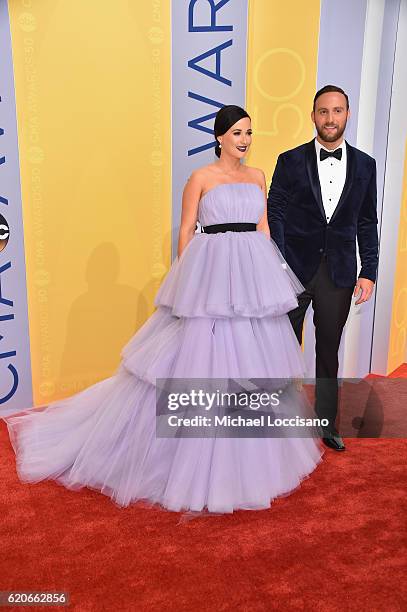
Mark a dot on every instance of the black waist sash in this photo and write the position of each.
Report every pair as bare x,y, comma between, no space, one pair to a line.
229,227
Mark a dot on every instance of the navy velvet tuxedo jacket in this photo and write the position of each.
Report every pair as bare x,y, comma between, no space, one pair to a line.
298,223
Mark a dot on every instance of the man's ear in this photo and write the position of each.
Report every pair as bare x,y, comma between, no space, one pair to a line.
312,116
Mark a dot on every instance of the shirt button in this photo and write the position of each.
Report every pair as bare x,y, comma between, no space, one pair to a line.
321,250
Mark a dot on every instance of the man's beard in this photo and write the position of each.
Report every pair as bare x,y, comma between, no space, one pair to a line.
328,136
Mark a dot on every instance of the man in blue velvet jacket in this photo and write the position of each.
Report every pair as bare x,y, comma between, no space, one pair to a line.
321,200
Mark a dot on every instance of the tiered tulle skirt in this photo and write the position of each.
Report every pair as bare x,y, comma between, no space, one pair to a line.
221,313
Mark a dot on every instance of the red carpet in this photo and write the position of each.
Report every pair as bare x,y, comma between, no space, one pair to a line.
337,543
401,372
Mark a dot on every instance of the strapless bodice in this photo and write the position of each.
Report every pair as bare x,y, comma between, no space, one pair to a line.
231,203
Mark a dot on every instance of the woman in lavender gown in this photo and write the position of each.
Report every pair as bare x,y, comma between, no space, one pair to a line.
221,313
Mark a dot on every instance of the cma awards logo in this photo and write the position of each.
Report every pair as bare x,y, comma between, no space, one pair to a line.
4,233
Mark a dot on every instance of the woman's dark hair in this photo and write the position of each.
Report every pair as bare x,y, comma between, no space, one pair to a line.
225,118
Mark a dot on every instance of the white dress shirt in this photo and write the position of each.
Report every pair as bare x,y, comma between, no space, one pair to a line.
332,176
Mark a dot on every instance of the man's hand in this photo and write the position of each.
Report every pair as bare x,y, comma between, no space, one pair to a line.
364,287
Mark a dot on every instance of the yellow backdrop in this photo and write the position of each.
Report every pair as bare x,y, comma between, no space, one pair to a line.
282,76
398,329
93,108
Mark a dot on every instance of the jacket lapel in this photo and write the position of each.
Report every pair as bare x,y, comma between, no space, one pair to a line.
312,170
350,171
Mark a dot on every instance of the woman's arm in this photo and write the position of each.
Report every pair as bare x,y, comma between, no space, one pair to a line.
263,225
189,215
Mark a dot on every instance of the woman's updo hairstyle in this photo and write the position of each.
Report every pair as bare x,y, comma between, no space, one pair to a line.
225,118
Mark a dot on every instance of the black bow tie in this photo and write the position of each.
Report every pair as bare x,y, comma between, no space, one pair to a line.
324,154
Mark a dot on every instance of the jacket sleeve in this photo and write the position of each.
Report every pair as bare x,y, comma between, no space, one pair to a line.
367,231
277,200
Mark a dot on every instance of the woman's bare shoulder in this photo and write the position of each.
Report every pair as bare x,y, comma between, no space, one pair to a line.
202,174
255,174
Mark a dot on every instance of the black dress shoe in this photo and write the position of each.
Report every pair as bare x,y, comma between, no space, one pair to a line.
335,442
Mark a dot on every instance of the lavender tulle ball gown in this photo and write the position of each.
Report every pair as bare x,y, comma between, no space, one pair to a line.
221,312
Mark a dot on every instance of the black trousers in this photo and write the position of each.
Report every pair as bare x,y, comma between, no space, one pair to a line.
331,306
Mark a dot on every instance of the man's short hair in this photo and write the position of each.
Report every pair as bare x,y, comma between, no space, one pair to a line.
330,89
